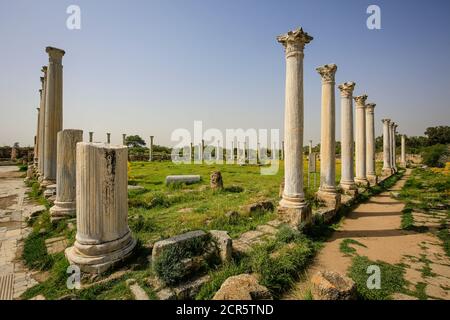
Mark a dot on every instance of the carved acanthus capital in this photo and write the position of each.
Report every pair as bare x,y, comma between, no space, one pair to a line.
55,54
386,121
347,89
327,72
294,41
370,107
360,100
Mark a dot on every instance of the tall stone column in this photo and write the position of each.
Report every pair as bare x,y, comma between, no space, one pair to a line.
103,236
65,173
53,112
403,152
108,138
347,182
150,149
327,190
394,153
387,168
41,136
91,136
124,139
36,138
293,205
282,150
370,144
360,140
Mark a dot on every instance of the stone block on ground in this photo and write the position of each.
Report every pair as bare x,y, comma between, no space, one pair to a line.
224,244
260,206
242,287
181,239
137,292
216,182
188,179
56,245
330,285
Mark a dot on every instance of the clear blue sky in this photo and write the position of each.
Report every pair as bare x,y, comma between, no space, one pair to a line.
149,67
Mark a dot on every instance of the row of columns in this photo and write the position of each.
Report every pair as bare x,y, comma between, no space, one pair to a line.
389,147
362,145
91,179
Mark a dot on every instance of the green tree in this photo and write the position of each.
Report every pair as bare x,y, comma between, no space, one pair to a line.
438,135
134,141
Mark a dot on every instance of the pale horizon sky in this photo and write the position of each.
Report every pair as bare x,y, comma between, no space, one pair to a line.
150,67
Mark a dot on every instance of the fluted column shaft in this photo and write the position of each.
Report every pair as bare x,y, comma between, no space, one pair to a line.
293,194
360,140
36,138
53,112
386,147
150,157
103,236
65,173
328,130
370,143
347,141
394,156
41,135
403,151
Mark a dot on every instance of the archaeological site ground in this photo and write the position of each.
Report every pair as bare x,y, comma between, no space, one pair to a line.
236,151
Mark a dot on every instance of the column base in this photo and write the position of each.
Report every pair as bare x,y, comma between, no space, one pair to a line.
363,182
50,190
46,182
349,188
294,211
98,258
373,179
331,199
63,210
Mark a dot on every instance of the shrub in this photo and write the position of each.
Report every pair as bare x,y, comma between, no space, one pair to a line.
435,156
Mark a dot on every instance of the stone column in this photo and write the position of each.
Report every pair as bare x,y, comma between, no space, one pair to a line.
192,152
36,138
65,173
403,152
41,136
394,155
91,136
327,190
103,236
150,149
347,182
360,140
53,112
387,169
282,150
124,139
293,205
370,144
310,146
202,151
108,138
13,153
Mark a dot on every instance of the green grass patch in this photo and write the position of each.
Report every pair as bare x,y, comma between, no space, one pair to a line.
392,278
345,247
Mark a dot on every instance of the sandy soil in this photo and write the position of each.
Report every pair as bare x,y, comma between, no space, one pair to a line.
376,224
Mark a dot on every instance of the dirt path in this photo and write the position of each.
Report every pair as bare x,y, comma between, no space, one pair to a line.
14,209
376,224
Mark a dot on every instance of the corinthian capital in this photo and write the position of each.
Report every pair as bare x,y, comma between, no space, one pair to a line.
386,121
361,100
347,89
370,107
294,41
327,72
55,54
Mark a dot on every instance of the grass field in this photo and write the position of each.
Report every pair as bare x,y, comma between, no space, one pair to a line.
162,211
